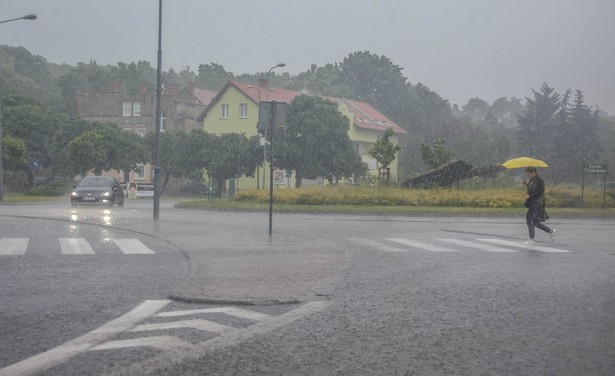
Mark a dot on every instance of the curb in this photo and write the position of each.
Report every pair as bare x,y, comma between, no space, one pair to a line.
238,302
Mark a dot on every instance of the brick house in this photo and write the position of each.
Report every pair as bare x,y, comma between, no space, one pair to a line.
136,112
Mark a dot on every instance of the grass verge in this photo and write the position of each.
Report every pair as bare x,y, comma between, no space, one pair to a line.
232,205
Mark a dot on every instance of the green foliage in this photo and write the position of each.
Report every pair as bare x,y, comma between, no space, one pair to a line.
384,151
56,188
560,133
558,197
86,151
13,153
316,142
435,154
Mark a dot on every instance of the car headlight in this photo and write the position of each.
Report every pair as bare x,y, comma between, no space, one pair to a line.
74,194
106,194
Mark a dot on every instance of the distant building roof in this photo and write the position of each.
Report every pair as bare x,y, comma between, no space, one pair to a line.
365,116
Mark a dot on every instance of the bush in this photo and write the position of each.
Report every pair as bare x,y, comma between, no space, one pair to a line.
56,188
512,197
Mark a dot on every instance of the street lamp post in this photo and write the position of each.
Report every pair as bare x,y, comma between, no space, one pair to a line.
30,17
271,131
158,119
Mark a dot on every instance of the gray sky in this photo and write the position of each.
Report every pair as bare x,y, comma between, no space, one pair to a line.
459,48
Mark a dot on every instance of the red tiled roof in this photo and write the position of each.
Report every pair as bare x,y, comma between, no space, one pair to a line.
203,95
365,116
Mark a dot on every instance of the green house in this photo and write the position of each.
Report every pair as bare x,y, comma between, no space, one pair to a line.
235,110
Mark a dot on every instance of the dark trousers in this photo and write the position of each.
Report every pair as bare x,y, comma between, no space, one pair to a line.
533,223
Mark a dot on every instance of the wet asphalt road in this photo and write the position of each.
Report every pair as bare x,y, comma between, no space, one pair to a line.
392,309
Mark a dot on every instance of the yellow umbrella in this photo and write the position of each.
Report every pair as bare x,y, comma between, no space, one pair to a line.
524,162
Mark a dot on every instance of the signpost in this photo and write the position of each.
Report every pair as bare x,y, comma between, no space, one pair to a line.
594,168
271,118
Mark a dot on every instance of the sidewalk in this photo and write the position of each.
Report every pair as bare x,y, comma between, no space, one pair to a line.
239,264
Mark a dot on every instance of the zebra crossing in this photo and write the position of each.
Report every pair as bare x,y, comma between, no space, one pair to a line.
443,245
73,246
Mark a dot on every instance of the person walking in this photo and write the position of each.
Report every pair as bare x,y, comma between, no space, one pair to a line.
535,204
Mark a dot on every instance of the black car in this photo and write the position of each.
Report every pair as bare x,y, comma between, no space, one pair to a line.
101,190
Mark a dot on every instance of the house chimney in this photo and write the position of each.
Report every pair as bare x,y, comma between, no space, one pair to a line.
115,86
262,83
143,89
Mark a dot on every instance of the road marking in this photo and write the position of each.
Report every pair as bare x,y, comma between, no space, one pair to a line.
75,246
421,245
230,339
205,325
55,356
164,343
484,247
13,246
377,245
233,311
533,247
132,247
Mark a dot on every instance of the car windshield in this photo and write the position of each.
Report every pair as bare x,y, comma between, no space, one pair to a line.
95,183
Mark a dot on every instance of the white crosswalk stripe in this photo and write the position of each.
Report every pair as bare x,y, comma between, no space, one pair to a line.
421,245
75,246
132,247
72,246
13,246
493,245
533,247
374,244
485,247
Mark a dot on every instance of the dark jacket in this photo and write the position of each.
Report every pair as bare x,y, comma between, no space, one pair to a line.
536,202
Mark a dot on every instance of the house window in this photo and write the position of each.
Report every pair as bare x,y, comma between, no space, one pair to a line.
136,109
140,171
127,109
243,110
224,111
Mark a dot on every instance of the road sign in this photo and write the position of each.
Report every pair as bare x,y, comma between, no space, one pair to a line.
595,168
267,110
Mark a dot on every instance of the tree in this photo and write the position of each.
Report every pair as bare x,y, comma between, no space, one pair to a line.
326,80
212,76
86,152
13,153
476,108
316,143
538,124
376,80
27,120
233,155
435,154
576,137
384,151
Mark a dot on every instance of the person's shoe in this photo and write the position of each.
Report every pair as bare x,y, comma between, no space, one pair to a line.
552,234
529,242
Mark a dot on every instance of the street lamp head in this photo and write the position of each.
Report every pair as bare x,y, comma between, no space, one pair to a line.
281,65
30,17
